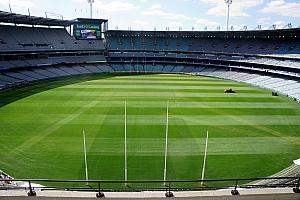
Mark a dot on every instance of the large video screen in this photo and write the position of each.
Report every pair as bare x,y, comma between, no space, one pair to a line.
88,34
87,31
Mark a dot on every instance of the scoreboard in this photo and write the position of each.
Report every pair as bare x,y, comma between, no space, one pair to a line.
87,31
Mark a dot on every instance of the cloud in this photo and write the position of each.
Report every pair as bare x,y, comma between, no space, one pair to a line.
264,21
175,20
174,25
280,24
140,22
115,6
282,8
206,22
79,1
18,4
237,9
156,10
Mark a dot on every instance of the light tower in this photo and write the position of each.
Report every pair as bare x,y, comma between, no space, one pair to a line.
91,7
228,2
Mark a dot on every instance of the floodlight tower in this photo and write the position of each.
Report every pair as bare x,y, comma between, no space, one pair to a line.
91,7
228,3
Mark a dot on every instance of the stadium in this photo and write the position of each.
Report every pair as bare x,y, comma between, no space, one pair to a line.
89,109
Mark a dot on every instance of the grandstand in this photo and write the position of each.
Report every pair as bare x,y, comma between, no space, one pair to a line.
29,54
35,50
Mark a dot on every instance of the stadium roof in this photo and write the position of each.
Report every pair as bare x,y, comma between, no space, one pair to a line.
88,20
278,33
7,17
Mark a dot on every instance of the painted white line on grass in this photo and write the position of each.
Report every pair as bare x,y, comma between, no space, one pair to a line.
204,160
166,147
85,158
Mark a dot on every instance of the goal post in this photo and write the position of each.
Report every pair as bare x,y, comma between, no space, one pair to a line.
125,143
204,160
166,144
85,158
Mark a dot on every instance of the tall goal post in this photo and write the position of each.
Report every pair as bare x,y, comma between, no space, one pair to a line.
204,160
85,158
125,143
166,144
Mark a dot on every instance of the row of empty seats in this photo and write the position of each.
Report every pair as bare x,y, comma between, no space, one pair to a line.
265,63
11,79
242,45
20,38
4,65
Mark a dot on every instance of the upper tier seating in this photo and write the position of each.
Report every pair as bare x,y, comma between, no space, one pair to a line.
274,47
18,38
26,47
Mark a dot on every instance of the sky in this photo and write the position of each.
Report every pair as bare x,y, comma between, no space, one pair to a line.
174,14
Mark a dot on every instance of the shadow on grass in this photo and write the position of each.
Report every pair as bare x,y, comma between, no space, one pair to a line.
12,95
15,94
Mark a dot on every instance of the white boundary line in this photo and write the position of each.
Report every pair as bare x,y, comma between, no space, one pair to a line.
166,147
85,158
204,160
125,142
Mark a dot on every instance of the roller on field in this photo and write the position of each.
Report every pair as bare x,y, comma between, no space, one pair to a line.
229,90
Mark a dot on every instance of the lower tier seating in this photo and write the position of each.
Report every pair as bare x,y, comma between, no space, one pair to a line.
10,79
283,85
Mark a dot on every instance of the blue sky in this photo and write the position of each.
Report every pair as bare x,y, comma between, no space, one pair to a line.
147,14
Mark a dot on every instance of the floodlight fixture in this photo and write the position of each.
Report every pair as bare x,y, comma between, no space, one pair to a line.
228,3
91,7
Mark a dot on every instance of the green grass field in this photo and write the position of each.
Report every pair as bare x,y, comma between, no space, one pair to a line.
251,133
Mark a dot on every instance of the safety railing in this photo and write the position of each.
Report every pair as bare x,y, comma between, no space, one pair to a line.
102,186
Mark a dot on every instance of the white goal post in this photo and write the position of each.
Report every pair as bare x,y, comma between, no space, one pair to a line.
85,157
166,144
125,143
204,160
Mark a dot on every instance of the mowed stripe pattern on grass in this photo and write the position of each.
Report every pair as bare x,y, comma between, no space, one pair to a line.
251,132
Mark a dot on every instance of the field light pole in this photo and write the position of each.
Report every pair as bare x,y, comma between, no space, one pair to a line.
228,2
91,7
